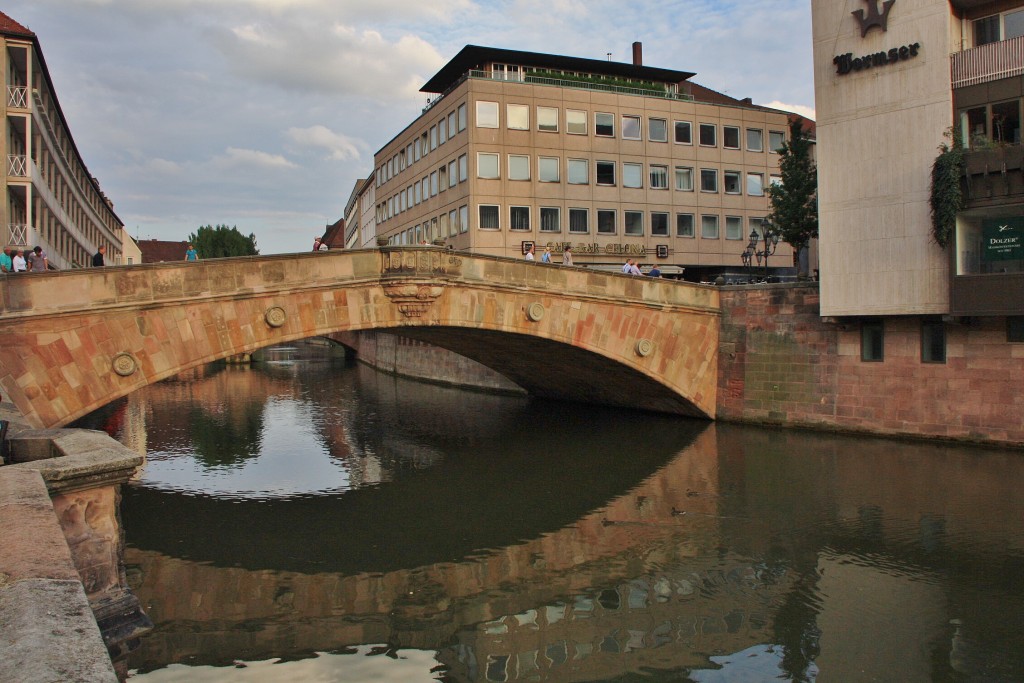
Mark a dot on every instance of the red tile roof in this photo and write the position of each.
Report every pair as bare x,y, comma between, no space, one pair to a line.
157,251
9,26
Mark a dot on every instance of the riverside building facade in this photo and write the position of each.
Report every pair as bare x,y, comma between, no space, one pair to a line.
49,197
617,160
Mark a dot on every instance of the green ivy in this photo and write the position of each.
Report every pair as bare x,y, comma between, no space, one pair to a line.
947,198
611,81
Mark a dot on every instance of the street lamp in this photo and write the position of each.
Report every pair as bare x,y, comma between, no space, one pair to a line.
770,235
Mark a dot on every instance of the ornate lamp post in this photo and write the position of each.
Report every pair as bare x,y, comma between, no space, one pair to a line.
753,251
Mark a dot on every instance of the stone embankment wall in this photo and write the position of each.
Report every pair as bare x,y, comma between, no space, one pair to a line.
412,358
780,363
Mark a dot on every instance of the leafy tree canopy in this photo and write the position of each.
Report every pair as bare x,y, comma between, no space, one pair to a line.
216,242
794,201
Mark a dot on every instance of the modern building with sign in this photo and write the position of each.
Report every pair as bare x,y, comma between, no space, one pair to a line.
618,160
49,197
894,80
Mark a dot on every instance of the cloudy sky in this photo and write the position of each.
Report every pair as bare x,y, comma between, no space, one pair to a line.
262,114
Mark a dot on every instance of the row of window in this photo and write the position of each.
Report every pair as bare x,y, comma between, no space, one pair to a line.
446,224
631,127
606,222
488,167
438,134
439,180
933,339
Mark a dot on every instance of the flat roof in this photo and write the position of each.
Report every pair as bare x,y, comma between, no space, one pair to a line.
475,56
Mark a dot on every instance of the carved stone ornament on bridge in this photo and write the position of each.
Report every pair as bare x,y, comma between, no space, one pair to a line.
124,364
644,348
413,298
275,316
535,312
418,261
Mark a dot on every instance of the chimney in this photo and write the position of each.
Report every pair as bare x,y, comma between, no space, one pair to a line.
638,53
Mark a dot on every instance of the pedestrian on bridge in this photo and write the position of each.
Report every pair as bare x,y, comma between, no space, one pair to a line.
97,258
6,264
18,261
37,261
529,253
567,255
191,254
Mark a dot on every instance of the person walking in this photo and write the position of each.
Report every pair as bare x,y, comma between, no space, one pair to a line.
546,256
97,258
191,254
529,254
655,271
6,264
627,267
634,269
567,255
18,261
37,261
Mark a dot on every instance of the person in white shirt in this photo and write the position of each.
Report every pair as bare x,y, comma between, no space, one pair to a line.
529,254
18,260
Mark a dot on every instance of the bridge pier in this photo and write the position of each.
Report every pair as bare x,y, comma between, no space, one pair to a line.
65,606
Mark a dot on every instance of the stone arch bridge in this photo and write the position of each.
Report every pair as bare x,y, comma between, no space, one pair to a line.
73,341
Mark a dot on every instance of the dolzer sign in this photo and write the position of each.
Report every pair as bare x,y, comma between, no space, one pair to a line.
867,21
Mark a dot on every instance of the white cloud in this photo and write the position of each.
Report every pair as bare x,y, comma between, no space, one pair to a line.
806,112
341,147
249,158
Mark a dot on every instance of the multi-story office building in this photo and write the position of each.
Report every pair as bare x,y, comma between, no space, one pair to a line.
49,197
893,81
619,160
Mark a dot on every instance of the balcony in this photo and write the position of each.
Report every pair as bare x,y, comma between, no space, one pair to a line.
17,96
18,233
986,63
17,165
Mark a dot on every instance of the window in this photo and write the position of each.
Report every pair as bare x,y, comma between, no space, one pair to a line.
416,148
632,175
487,165
708,137
986,30
462,169
776,139
775,180
605,221
754,225
433,183
517,116
606,173
579,171
684,225
424,144
549,219
731,182
733,228
1006,122
634,221
579,221
659,177
433,138
445,226
709,227
443,177
998,27
755,140
872,341
518,167
462,117
684,133
488,217
684,178
401,161
575,122
402,204
419,190
486,114
657,130
547,119
933,341
630,127
442,132
451,125
463,218
755,184
547,169
453,223
1015,328
453,173
730,137
604,125
708,180
659,224
519,218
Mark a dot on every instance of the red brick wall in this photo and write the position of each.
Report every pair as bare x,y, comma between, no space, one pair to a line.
779,363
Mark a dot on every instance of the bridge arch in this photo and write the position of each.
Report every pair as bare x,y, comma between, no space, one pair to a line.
80,339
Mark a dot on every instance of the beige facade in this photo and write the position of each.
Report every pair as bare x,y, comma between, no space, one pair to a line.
49,198
505,158
879,129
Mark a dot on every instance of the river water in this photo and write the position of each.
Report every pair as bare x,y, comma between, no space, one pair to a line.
308,520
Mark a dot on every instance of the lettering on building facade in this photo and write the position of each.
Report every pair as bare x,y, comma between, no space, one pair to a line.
594,248
847,63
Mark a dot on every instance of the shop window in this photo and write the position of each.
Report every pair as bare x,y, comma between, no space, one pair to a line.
872,341
1006,122
933,341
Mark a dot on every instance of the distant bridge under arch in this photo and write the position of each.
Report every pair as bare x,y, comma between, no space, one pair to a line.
75,340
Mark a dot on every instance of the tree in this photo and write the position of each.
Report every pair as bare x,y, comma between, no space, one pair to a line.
795,200
216,242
